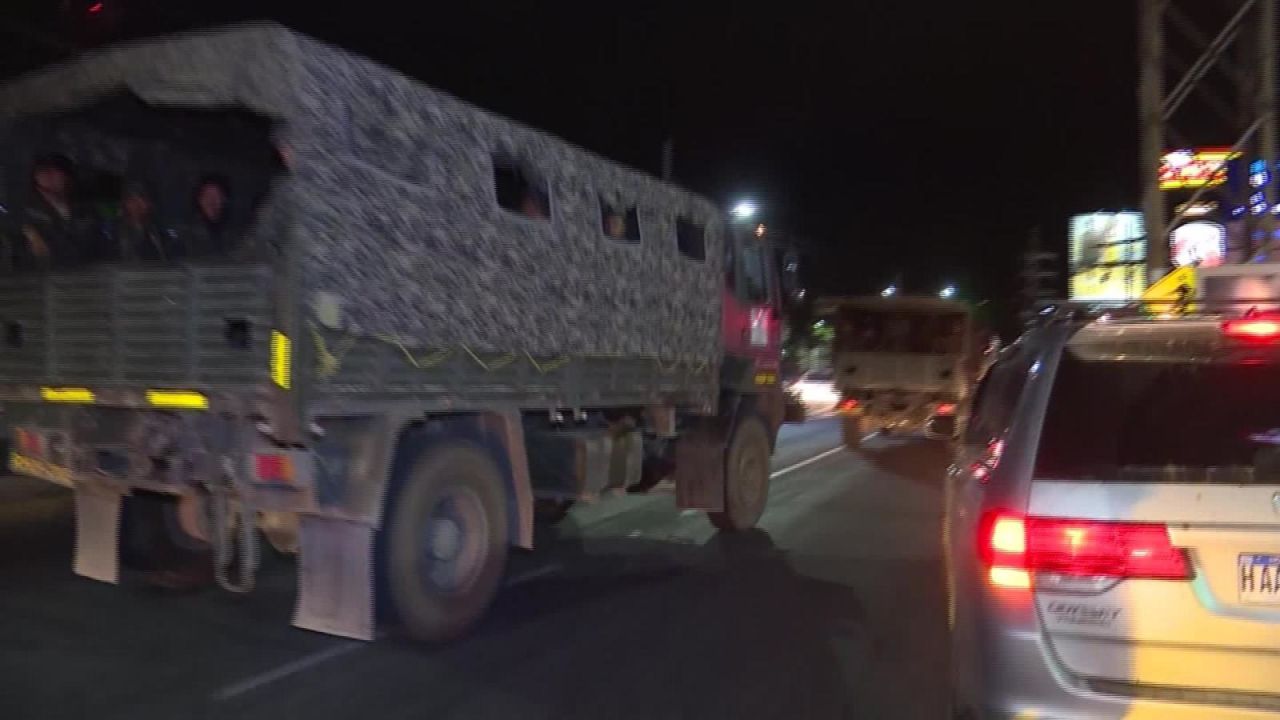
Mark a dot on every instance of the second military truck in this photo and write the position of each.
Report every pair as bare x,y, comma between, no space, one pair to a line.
901,362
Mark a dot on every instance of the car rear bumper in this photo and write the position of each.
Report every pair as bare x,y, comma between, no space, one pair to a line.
1023,679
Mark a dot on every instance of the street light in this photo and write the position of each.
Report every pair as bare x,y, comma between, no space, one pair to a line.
889,291
947,292
744,210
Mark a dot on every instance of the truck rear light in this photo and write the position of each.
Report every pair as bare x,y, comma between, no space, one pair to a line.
1014,548
273,468
29,443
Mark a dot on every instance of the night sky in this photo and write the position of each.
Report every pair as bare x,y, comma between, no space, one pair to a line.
919,139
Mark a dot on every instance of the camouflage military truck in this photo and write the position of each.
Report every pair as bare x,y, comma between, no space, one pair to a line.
430,319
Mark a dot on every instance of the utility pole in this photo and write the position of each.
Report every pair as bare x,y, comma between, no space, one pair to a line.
1266,109
1040,277
1151,117
1234,46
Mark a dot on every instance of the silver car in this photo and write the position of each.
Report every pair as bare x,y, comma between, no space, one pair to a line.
1112,526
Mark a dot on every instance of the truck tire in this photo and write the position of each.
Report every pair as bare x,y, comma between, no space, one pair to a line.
746,477
552,512
852,429
152,532
446,543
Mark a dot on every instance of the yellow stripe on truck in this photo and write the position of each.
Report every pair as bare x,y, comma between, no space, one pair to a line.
281,359
82,396
177,400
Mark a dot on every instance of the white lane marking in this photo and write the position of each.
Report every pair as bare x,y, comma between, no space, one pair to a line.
796,466
305,662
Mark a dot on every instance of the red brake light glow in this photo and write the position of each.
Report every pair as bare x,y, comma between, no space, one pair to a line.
946,409
273,468
982,469
1252,329
1014,547
847,405
29,443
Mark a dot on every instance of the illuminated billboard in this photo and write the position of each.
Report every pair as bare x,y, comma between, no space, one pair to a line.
1106,237
1120,283
1198,244
1108,255
1203,167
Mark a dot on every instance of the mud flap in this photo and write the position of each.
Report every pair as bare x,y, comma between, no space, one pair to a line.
699,473
97,554
335,578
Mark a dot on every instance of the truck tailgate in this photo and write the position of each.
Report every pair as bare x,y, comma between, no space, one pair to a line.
205,326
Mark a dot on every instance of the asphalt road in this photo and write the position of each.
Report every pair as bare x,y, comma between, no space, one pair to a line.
630,609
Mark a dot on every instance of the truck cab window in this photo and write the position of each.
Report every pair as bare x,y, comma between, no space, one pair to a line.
754,276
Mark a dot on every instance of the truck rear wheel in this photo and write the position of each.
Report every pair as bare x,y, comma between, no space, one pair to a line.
155,529
552,512
447,542
746,477
854,429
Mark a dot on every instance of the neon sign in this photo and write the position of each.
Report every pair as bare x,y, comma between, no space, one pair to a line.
1204,167
1198,244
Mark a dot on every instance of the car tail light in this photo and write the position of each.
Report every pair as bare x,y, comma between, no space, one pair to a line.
273,468
1261,329
847,405
1014,548
946,409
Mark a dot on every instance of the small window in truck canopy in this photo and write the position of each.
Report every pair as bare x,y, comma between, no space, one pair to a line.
691,239
122,182
1127,421
619,221
519,190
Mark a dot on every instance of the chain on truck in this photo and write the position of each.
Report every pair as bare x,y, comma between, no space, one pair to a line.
432,321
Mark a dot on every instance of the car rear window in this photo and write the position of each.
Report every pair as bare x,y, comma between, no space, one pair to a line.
1127,421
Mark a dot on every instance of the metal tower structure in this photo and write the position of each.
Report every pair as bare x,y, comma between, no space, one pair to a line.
1207,76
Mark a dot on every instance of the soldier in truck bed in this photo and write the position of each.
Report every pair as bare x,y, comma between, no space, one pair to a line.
135,236
211,233
56,230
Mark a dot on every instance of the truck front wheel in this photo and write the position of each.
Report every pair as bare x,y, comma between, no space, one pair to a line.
447,542
746,477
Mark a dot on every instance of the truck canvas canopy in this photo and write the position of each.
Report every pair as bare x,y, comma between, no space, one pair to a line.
392,233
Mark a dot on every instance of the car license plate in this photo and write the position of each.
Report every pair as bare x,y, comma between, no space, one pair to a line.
1260,579
37,468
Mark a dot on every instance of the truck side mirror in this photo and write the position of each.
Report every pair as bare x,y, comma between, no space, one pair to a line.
790,275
